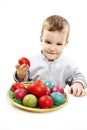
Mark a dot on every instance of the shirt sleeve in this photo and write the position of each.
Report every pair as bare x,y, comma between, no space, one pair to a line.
77,77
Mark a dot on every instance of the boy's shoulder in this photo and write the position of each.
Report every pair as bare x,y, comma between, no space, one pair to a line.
66,60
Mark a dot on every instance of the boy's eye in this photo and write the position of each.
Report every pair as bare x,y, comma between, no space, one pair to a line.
47,42
60,44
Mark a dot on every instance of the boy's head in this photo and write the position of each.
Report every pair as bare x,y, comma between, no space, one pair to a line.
56,23
54,36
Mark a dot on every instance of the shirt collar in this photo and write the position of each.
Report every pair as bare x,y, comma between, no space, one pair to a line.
46,58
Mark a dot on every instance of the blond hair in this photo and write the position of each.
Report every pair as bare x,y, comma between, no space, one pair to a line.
54,23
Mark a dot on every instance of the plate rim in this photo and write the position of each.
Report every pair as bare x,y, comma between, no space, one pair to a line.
37,110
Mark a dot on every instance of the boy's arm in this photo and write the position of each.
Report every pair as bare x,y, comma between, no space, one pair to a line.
26,78
77,83
77,77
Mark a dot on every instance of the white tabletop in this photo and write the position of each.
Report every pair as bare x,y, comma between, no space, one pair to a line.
20,26
72,116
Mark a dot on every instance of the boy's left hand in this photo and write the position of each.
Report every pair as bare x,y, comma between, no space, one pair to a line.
77,90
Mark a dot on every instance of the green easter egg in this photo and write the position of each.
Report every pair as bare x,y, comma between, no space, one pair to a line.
30,100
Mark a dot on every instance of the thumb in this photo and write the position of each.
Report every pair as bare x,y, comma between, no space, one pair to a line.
70,90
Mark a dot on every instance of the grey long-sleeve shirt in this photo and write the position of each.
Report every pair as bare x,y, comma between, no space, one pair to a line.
61,71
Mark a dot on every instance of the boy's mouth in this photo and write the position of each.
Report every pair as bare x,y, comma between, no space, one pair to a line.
52,53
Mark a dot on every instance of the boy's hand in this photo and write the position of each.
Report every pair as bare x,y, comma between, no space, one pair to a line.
77,90
21,71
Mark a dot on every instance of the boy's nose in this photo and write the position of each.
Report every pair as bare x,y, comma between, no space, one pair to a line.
52,48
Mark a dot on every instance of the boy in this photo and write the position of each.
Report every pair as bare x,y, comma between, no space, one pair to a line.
51,65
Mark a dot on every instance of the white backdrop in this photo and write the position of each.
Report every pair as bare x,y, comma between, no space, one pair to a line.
20,26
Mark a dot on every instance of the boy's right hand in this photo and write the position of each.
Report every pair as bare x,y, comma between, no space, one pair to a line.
21,71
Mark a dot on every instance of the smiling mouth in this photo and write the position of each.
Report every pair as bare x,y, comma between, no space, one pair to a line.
51,53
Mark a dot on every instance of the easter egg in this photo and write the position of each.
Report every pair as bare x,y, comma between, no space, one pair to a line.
58,98
30,100
49,84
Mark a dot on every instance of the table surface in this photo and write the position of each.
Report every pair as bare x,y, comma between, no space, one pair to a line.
72,116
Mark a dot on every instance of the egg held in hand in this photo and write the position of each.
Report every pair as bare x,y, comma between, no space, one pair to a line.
24,60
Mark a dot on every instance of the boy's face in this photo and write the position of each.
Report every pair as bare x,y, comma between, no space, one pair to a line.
53,43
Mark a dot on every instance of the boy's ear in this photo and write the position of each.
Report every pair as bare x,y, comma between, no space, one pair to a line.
67,41
40,38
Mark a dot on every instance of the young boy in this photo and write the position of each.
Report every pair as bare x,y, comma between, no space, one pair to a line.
51,65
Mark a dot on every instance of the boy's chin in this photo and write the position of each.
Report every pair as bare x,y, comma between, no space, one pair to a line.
51,59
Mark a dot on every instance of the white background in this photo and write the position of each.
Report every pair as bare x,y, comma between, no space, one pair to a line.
20,26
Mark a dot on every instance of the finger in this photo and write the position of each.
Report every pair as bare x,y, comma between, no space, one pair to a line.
79,92
17,66
70,90
73,91
21,67
24,70
83,92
